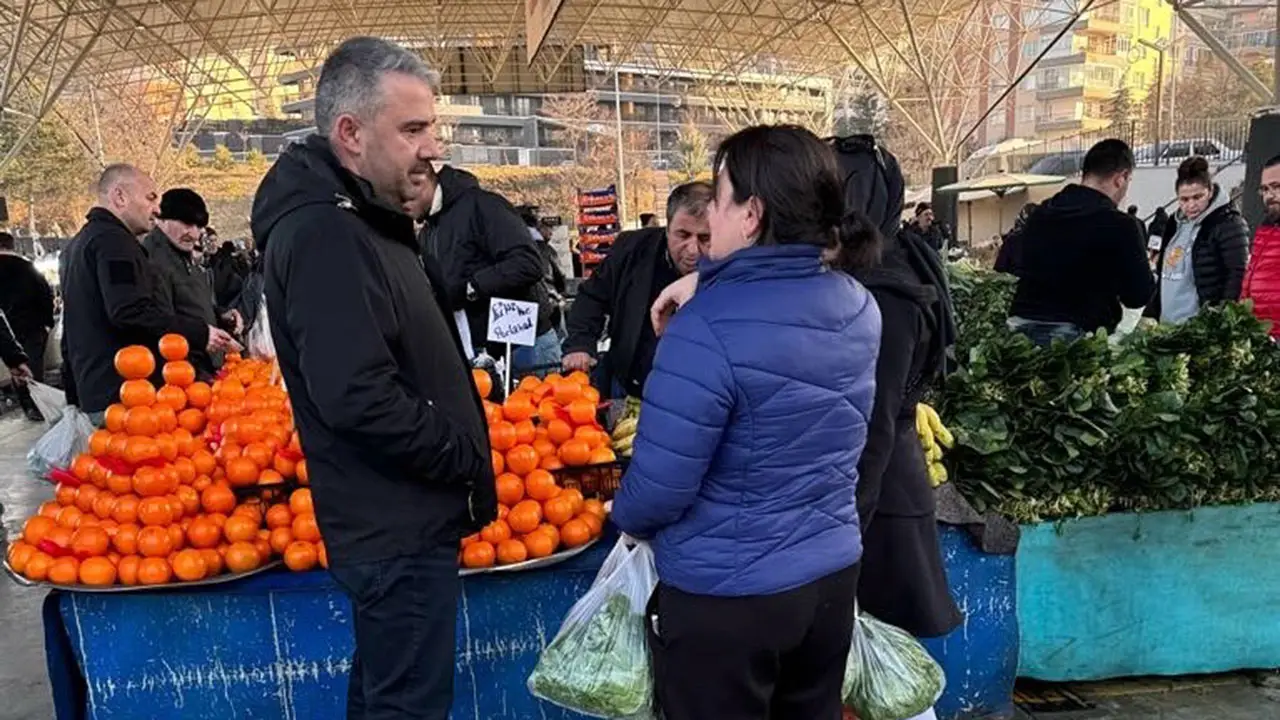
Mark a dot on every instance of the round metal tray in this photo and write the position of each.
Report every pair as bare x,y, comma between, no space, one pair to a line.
534,564
217,580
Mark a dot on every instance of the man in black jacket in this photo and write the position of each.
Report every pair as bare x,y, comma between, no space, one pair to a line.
108,290
11,354
26,299
182,287
1083,258
485,251
397,445
623,287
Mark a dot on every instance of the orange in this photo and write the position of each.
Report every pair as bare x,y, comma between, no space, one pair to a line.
149,482
300,470
154,571
540,485
305,527
510,489
49,509
545,448
174,347
522,459
141,421
502,436
249,431
595,507
300,556
90,542
279,516
241,471
558,431
166,445
155,511
575,533
592,395
179,372
204,461
19,554
135,362
60,536
588,433
140,449
218,499
242,557
300,501
525,432
579,377
186,470
551,463
191,420
125,509
279,539
212,561
137,393
582,412
567,392
172,396
495,532
166,418
188,498
119,442
593,522
539,544
199,395
189,565
114,418
270,477
575,453
38,566
492,413
322,555
85,495
575,495
260,454
65,571
499,464
479,555
518,407
98,572
283,465
512,551
127,569
558,510
70,517
240,528
154,541
203,533
65,494
548,410
528,384
602,456
525,516
484,383
100,440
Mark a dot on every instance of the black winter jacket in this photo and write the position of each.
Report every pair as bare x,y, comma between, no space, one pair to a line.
182,288
479,238
11,353
1081,259
25,296
1219,256
902,581
109,301
619,292
395,435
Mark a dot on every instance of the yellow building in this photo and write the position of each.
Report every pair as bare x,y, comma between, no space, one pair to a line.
1102,52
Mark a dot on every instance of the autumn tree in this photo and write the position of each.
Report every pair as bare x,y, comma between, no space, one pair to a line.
692,151
47,182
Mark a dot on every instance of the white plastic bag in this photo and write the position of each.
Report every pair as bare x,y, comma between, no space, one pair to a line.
49,400
258,341
61,444
598,663
889,675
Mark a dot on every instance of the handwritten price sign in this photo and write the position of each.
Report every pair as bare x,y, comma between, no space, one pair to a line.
513,322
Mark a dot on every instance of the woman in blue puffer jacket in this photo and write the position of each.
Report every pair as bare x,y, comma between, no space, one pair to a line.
754,417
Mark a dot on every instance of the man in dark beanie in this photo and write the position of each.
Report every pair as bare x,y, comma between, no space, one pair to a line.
181,285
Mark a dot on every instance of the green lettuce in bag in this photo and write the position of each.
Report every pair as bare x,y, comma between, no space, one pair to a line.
889,675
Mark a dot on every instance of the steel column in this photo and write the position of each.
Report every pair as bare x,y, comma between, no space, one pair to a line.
1259,88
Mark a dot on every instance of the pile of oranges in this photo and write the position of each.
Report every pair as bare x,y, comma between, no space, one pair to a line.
544,425
149,504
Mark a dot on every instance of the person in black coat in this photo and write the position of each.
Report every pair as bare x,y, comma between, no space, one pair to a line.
1009,259
903,581
228,279
109,296
1204,251
26,299
12,355
640,264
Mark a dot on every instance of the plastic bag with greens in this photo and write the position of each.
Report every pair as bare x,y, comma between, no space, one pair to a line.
889,675
598,664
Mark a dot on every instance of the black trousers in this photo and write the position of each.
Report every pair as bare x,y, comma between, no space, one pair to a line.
768,657
405,613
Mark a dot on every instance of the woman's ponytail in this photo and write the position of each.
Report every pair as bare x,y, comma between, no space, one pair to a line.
858,243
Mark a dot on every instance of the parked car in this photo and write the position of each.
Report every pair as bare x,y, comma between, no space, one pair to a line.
1173,152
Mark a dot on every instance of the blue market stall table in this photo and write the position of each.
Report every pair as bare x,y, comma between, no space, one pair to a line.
278,645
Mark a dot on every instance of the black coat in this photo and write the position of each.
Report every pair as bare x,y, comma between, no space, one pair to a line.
109,301
26,298
1219,256
395,435
619,292
479,238
902,581
228,276
182,288
11,353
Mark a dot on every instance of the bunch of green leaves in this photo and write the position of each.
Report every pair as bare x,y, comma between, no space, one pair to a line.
981,300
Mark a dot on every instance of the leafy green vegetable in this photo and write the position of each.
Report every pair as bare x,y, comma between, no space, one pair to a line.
889,675
600,666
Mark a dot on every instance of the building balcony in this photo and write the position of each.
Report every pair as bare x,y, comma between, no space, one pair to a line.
1102,26
1085,57
1087,91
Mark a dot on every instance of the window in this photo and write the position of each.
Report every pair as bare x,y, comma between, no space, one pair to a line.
1122,45
1145,16
1206,149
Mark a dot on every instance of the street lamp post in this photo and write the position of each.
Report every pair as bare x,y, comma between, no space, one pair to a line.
1159,48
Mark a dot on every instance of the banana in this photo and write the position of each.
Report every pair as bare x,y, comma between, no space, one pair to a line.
937,474
922,427
940,431
625,428
624,446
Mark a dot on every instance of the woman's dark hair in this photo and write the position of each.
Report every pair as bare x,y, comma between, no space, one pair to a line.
1194,171
793,175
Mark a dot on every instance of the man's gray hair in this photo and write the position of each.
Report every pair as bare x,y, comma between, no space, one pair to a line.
692,197
349,80
113,175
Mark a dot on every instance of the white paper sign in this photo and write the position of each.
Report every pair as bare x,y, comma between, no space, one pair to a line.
513,322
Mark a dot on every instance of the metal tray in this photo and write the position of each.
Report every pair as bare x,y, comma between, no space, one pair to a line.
535,564
218,580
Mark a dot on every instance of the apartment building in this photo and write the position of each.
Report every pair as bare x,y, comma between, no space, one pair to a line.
1245,27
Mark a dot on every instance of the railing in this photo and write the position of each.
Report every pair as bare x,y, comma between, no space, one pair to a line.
1221,141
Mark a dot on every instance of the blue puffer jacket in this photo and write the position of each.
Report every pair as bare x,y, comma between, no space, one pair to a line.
753,421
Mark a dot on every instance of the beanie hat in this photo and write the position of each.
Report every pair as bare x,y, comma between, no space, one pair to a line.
184,205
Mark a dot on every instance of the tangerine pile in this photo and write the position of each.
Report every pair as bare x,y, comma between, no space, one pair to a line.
543,426
149,504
